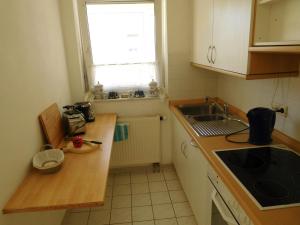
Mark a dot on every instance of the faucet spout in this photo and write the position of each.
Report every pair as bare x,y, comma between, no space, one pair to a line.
223,108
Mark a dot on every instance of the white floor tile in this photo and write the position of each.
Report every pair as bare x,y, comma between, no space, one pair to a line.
151,222
158,186
107,205
168,168
76,218
163,211
170,175
109,190
122,201
171,221
173,185
142,213
182,209
122,189
155,177
141,200
110,179
122,179
140,188
177,196
99,217
160,198
121,215
186,220
137,178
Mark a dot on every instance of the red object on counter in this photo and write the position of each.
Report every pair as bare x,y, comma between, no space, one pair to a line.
77,141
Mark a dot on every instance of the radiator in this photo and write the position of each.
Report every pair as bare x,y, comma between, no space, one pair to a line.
143,144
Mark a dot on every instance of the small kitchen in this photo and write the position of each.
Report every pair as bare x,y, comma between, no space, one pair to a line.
212,73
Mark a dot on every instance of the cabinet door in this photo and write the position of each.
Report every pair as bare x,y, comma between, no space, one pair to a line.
231,34
179,149
202,31
198,193
191,167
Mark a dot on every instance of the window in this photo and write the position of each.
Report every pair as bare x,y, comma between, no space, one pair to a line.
122,43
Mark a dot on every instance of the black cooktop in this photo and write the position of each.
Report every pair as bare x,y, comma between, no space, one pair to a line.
270,174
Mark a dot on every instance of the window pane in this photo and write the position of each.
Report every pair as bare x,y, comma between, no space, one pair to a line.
125,77
122,33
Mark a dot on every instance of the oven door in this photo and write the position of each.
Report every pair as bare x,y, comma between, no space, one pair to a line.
220,213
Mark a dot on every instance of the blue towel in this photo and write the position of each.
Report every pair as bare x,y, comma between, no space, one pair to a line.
121,132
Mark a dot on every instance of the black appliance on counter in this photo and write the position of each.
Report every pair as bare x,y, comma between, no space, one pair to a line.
261,125
86,109
269,174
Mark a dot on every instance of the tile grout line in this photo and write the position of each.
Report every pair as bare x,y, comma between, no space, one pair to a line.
88,219
171,201
131,209
150,197
113,184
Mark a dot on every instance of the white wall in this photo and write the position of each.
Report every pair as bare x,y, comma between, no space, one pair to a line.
33,74
184,81
247,94
71,33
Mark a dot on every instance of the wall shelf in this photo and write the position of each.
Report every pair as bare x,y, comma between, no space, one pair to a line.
247,76
276,49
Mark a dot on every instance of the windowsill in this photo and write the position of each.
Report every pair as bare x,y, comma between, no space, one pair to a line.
129,99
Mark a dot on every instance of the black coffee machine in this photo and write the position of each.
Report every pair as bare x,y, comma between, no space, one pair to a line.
86,109
261,122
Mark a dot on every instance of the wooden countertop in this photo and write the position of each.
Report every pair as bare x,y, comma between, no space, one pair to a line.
284,216
81,182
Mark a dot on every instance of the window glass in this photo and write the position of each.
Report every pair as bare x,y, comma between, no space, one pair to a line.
122,40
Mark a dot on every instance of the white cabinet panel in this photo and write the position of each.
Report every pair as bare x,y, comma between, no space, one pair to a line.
202,31
191,167
231,34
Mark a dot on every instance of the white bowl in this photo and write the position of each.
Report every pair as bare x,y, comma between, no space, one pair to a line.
48,161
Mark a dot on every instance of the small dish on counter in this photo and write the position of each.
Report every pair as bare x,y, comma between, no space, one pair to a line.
48,161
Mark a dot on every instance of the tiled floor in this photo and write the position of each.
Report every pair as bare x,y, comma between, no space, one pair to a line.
138,197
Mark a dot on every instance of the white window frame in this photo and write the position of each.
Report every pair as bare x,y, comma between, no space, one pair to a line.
86,42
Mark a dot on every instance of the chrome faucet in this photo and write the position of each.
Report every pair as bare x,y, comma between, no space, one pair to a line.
223,108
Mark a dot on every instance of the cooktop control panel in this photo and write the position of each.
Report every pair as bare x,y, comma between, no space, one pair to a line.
230,201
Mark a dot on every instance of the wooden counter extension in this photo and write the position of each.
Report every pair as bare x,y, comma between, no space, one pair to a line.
81,182
283,216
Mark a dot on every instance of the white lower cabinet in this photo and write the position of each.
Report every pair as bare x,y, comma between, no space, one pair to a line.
191,167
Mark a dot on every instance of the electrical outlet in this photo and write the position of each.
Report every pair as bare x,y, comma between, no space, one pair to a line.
283,108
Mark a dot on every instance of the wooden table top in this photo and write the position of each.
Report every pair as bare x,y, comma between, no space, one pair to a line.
81,182
283,216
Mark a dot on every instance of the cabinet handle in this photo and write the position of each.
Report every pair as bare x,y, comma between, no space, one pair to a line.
194,144
183,149
213,50
207,56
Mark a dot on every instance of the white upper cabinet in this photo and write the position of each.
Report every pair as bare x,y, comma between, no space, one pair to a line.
231,35
222,34
223,39
202,35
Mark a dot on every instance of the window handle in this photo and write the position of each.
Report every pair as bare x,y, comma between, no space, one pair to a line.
207,55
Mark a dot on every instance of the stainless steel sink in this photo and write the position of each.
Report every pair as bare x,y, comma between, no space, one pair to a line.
203,109
209,119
